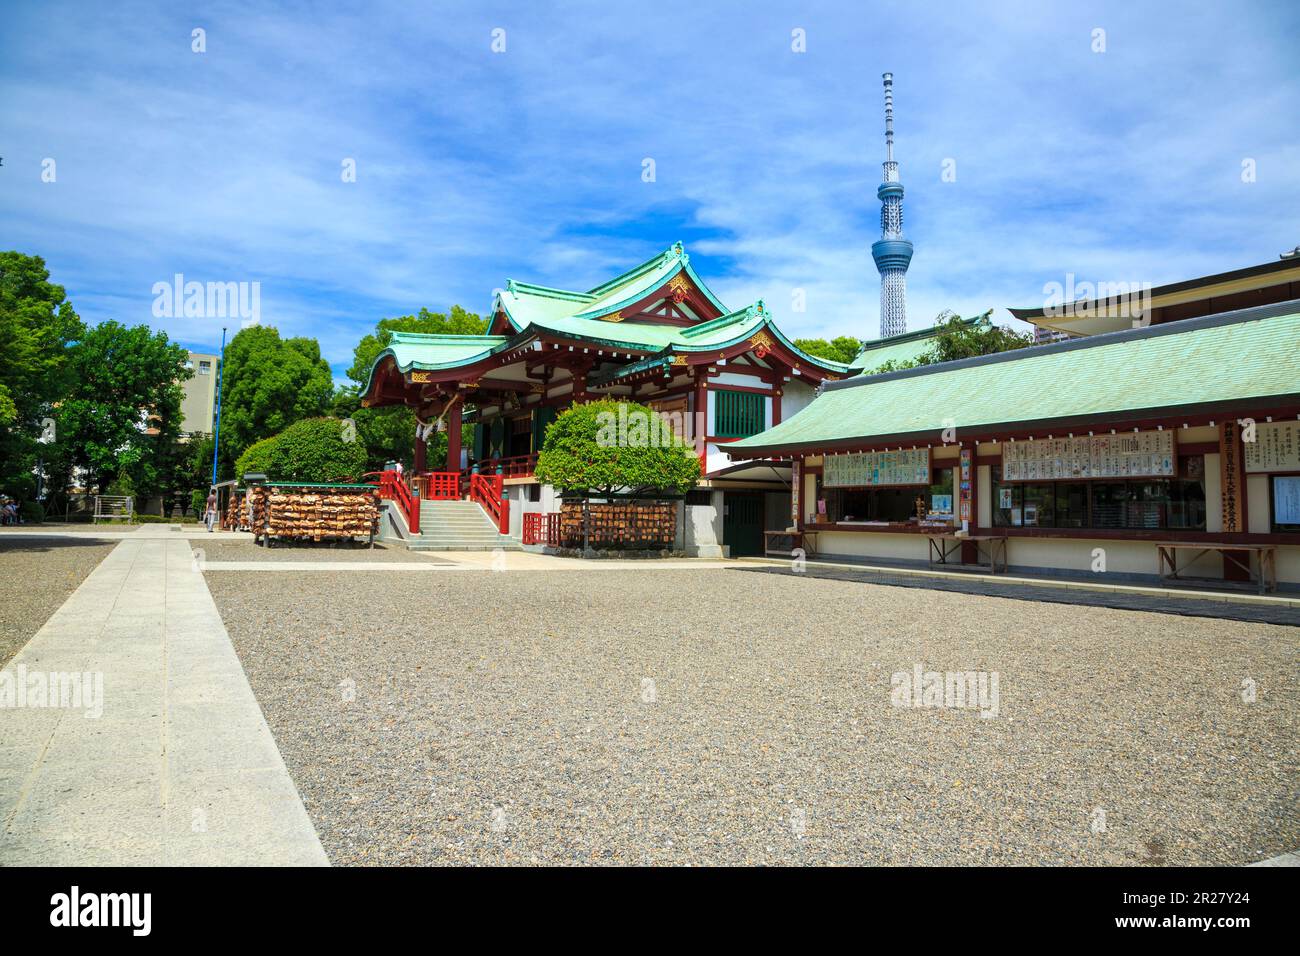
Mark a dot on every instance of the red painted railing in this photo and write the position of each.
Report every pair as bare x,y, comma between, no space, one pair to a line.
533,527
520,466
393,488
441,485
486,490
541,529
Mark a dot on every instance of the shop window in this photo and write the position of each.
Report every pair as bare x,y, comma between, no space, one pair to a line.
872,504
939,502
738,414
1137,503
1071,505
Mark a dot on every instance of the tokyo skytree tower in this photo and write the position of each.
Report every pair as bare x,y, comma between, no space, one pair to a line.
891,251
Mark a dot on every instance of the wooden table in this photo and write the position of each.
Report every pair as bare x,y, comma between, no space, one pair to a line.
1265,579
787,542
944,546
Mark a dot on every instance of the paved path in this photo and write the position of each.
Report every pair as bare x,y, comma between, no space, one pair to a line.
180,768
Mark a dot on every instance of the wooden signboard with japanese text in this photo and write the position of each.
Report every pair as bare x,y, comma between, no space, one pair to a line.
1230,477
1276,448
1128,455
877,468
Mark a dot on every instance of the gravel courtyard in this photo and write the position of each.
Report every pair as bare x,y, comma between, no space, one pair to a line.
38,575
715,716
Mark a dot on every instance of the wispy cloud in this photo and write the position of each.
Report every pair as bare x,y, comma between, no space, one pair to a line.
473,165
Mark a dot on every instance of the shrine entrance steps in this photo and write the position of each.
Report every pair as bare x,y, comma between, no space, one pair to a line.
458,526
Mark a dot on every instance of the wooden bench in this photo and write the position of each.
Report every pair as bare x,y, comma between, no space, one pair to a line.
1265,578
785,543
945,546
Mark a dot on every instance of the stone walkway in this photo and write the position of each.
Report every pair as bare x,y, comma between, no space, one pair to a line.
179,767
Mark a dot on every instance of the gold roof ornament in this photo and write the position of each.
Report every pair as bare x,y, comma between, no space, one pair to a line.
679,289
761,343
421,378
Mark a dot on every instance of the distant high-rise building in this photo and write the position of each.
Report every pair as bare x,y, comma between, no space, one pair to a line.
198,407
891,251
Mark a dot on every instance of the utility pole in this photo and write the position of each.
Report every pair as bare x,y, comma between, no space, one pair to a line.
216,434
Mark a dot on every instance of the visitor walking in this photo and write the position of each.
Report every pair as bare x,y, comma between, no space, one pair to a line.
210,512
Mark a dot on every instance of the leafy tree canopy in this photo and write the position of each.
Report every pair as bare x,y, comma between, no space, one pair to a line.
37,327
843,349
389,433
958,340
607,446
268,384
121,413
316,449
256,458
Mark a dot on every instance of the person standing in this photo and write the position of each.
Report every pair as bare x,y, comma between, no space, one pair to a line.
210,511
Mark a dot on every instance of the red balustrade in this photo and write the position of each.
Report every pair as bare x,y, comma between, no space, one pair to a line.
533,527
541,529
393,488
442,485
487,491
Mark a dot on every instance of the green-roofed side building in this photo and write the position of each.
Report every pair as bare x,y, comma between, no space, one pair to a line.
655,334
1170,447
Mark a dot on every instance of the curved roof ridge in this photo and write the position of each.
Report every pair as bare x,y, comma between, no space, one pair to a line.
676,250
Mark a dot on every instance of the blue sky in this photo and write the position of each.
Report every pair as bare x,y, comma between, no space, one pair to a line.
475,166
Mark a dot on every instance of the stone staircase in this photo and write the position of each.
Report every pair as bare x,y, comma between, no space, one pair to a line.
458,526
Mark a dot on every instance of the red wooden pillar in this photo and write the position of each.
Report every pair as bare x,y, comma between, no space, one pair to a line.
421,453
453,436
701,418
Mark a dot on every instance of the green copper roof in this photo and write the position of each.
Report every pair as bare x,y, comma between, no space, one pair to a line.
1246,355
524,304
535,310
897,348
422,350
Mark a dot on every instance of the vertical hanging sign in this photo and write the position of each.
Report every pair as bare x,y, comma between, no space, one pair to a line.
1230,477
965,487
796,479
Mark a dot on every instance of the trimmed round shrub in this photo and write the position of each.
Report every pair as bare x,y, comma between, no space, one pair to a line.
256,458
33,512
317,450
605,447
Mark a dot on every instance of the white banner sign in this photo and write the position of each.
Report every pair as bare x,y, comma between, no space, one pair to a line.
877,468
1276,447
1134,455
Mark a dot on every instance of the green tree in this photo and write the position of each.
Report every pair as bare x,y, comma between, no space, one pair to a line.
269,383
958,339
844,349
607,446
37,328
459,322
389,432
122,412
317,449
256,458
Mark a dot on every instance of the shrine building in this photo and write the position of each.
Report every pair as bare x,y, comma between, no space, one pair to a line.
656,335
